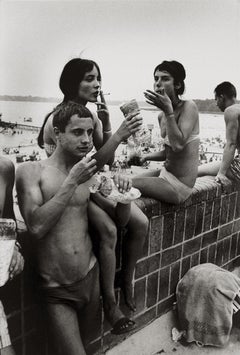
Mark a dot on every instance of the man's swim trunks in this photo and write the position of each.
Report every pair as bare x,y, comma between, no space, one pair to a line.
235,168
4,335
76,295
182,191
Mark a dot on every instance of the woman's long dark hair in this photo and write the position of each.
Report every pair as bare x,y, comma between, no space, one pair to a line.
72,74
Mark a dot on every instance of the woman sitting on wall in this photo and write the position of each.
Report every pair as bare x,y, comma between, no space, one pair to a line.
179,125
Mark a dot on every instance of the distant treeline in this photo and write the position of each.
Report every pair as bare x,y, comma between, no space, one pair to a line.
207,105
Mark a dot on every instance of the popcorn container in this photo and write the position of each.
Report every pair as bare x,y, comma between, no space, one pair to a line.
7,243
132,107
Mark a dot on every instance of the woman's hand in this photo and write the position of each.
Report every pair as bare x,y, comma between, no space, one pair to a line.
103,113
162,101
130,125
17,263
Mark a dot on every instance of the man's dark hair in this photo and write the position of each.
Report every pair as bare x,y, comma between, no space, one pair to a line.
65,111
226,88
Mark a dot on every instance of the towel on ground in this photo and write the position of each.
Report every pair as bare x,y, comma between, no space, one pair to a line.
205,298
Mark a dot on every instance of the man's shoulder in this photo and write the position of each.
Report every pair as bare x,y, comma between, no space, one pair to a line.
29,168
6,165
232,111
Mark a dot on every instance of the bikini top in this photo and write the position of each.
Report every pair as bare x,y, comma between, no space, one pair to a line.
192,137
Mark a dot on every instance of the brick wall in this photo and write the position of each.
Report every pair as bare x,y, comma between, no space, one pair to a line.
203,229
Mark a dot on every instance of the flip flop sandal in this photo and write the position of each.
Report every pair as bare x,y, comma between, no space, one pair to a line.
123,325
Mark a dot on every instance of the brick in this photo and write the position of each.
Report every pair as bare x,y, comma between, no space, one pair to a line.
226,249
207,216
236,226
195,259
140,294
152,289
147,266
164,283
156,234
212,192
91,348
15,325
216,213
34,344
145,318
237,210
212,253
224,209
225,230
190,222
165,305
219,255
18,346
186,264
191,246
11,295
204,256
179,226
168,228
238,244
209,238
199,219
171,255
233,251
232,206
174,278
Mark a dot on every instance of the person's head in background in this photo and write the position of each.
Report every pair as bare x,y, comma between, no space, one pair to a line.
225,95
80,81
170,76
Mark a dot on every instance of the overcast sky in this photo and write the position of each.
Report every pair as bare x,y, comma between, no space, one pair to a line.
126,38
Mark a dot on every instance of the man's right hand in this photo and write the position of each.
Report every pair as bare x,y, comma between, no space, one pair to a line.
130,125
83,170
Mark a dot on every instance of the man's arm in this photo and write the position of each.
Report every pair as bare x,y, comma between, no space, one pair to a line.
39,216
232,126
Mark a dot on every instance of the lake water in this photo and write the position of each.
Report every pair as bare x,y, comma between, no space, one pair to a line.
211,125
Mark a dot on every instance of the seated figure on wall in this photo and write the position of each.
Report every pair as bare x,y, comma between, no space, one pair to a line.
17,262
229,167
179,125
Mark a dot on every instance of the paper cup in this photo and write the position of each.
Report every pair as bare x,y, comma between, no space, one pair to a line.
7,242
130,107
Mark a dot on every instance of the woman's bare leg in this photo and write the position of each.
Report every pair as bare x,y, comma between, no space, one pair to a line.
209,168
107,232
137,232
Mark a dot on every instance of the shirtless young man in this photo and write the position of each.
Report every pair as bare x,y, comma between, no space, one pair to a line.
229,168
179,126
53,200
6,211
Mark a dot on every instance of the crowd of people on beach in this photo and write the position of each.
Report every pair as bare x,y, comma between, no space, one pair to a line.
65,220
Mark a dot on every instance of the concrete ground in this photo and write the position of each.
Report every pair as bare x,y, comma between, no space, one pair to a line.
156,339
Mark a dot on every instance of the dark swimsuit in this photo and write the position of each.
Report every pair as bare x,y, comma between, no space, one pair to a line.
76,295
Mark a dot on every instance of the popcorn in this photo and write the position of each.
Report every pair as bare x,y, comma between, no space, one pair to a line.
108,189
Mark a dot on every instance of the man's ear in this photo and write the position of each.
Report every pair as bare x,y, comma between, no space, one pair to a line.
57,132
